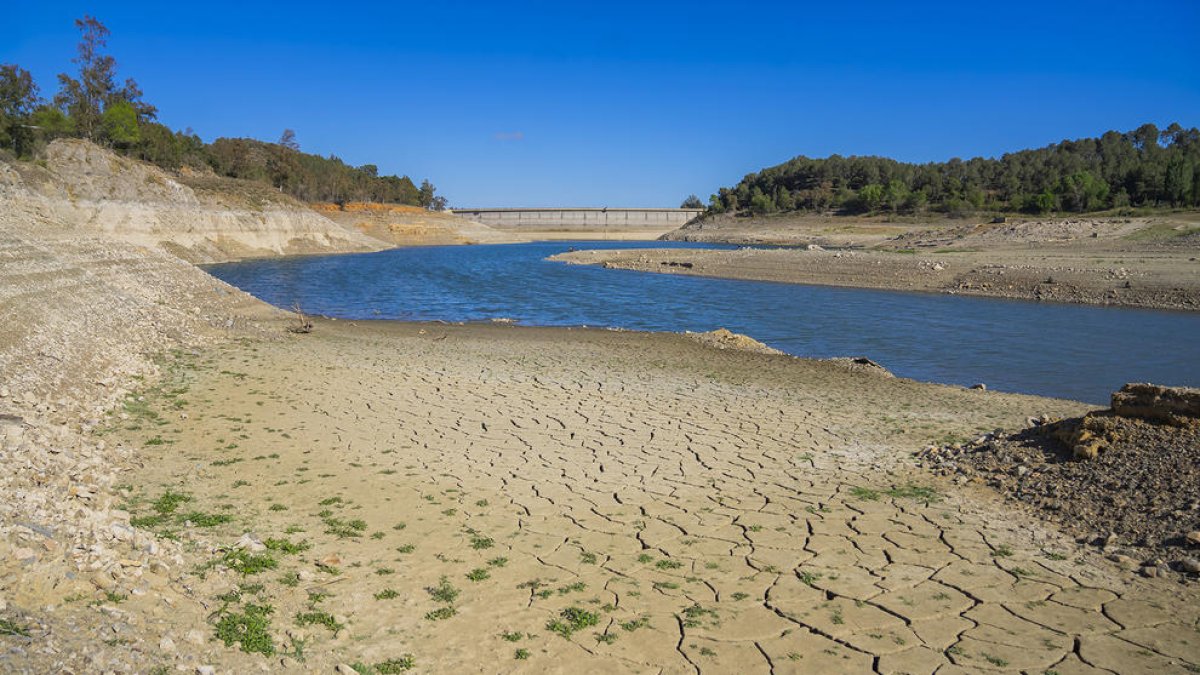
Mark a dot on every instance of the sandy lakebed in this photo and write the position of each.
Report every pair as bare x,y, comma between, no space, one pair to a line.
1134,262
385,496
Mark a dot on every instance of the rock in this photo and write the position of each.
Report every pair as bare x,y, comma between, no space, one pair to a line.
1190,565
980,386
206,670
1124,561
1193,537
251,543
166,644
1149,571
345,669
1154,402
195,637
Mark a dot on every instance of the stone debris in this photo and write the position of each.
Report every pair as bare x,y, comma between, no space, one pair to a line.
1135,468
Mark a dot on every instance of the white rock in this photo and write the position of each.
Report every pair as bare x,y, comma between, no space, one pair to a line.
249,542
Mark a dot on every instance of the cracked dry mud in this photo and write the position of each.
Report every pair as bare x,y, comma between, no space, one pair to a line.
713,511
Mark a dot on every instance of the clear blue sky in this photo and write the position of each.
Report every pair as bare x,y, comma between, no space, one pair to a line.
639,103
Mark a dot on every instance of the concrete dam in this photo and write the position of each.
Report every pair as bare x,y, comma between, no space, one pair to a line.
583,222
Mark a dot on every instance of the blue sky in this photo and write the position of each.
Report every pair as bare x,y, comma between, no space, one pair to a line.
638,103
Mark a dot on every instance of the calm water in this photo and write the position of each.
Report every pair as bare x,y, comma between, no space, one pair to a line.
1068,351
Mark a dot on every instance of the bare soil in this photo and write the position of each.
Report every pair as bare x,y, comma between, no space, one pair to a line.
1150,262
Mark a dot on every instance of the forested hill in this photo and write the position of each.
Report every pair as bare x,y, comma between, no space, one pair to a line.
1141,168
93,105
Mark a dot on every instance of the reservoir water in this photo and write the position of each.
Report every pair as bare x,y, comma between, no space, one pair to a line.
1069,351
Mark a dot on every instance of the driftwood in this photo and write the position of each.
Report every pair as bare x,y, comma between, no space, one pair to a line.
302,325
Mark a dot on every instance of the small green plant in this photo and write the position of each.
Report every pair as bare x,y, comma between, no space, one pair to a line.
248,563
917,492
250,629
278,507
291,579
740,595
287,546
479,543
512,637
645,558
995,660
571,620
865,494
606,638
443,592
10,627
693,616
384,571
397,665
318,617
498,562
1002,551
478,574
668,565
630,626
809,578
521,654
407,548
387,594
440,614
588,558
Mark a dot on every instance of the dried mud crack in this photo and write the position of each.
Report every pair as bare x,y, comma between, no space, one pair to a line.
495,499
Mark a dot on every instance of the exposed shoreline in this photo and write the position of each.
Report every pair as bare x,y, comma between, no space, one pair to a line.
1146,281
646,474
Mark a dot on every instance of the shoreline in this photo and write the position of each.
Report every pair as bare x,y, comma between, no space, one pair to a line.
574,472
978,274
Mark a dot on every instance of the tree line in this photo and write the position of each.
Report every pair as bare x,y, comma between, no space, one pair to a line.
93,105
1146,167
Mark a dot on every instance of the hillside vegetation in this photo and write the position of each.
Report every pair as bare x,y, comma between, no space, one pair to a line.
90,104
1146,167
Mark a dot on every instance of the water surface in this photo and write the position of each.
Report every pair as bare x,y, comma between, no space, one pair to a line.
1069,351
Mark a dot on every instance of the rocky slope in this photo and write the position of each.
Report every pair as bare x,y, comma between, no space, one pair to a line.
82,314
90,190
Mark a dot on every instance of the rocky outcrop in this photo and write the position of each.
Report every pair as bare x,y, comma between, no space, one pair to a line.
199,218
1126,479
1158,403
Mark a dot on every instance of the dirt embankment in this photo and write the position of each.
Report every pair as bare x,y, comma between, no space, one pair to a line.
1129,262
401,225
201,218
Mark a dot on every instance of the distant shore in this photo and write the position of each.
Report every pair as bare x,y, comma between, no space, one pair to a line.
1131,263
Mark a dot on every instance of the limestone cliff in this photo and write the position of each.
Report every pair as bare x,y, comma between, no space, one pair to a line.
85,188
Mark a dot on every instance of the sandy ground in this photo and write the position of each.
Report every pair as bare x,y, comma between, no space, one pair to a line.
1143,263
501,499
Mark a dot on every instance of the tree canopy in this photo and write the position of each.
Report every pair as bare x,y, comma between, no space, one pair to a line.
1146,167
90,104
